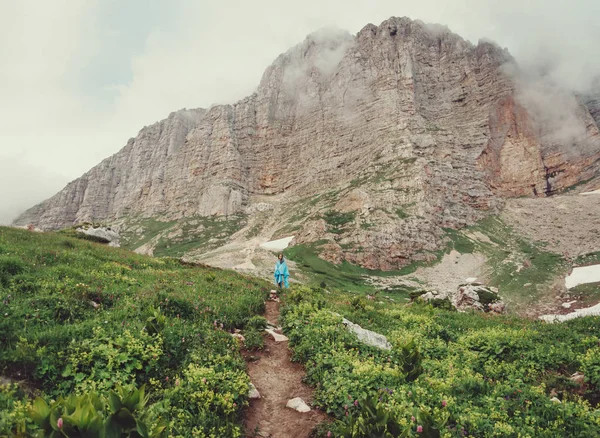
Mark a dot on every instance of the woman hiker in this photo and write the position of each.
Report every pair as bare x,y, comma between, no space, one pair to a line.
281,272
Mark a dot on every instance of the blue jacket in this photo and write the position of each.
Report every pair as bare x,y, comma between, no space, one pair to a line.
281,273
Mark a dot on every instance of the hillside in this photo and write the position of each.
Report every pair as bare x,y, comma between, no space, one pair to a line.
375,143
80,320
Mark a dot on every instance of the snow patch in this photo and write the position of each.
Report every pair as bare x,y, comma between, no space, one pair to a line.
583,275
277,245
588,311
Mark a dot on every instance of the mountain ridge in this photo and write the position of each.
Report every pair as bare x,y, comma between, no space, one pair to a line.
407,127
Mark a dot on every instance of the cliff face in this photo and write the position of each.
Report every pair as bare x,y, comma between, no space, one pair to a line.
406,126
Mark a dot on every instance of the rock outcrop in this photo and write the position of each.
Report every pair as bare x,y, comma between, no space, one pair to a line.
404,128
468,296
105,234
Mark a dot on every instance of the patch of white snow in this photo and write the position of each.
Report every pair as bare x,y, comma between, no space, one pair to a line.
277,245
583,275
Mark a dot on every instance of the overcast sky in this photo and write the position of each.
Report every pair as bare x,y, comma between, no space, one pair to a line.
80,77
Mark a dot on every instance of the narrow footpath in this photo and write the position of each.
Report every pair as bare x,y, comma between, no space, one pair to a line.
278,380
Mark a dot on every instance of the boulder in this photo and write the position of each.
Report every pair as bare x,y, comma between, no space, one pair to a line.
367,336
298,405
475,296
253,393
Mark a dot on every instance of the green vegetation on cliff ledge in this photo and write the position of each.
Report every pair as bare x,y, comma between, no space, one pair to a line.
176,238
79,318
448,374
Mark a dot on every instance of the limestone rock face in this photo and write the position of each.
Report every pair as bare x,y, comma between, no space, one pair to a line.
405,128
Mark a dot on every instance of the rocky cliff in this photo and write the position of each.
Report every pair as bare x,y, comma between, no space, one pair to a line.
373,142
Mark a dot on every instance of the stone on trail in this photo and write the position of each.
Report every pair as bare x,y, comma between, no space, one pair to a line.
253,393
367,336
277,336
273,296
298,405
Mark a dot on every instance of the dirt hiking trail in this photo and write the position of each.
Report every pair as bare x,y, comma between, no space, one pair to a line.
278,380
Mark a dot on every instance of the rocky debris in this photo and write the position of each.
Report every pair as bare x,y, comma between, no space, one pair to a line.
468,296
276,336
367,336
107,234
475,296
551,221
422,120
253,393
259,207
497,307
298,405
568,304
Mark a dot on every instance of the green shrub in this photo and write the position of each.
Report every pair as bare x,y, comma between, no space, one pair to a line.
358,303
337,220
590,366
10,266
14,407
106,361
254,339
207,401
256,322
442,303
122,414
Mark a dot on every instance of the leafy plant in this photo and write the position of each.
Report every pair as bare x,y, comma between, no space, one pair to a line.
256,322
87,416
254,339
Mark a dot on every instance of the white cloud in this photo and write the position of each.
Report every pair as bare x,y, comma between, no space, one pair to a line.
216,52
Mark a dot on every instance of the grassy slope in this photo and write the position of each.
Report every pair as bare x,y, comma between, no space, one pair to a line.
482,375
74,317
